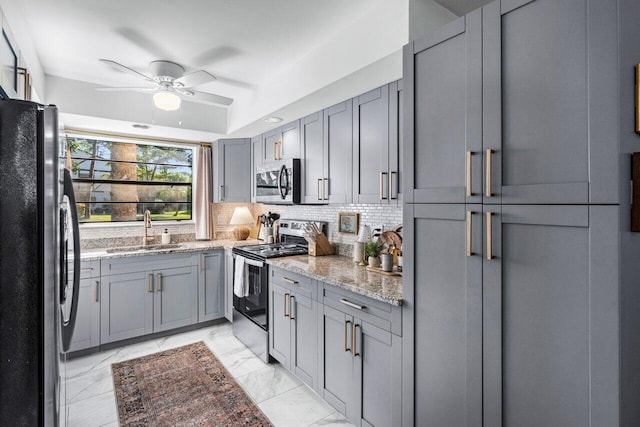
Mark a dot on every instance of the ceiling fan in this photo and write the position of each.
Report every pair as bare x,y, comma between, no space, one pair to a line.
170,83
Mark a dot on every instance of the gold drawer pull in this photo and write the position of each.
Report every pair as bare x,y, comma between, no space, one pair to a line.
350,304
346,328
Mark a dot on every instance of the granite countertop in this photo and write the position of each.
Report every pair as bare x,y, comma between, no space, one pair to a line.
340,271
200,245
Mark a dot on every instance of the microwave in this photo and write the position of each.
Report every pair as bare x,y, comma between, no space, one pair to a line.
278,182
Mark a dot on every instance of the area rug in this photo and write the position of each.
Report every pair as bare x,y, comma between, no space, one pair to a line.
185,386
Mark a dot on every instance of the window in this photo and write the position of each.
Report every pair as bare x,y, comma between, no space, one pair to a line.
117,181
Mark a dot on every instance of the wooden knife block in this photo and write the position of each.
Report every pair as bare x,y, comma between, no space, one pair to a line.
321,246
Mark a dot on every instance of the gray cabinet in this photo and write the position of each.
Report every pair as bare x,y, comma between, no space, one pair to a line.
86,333
293,332
142,295
396,141
282,142
338,142
270,142
228,284
313,158
256,161
211,283
231,161
361,350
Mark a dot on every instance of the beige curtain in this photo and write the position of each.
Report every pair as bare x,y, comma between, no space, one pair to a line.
202,193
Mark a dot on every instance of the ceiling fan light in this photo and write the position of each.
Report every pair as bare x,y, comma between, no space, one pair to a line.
166,100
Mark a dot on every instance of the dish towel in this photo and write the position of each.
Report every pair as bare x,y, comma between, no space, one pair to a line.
240,282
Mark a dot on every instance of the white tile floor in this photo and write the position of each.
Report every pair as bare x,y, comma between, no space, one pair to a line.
283,398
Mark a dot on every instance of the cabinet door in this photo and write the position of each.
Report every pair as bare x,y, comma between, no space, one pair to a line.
377,356
87,331
280,324
304,339
337,382
176,298
289,147
270,145
338,135
442,317
211,286
313,161
371,147
443,122
550,104
396,141
256,160
234,159
126,310
228,289
550,316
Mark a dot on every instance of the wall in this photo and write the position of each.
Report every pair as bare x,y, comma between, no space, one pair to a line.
425,16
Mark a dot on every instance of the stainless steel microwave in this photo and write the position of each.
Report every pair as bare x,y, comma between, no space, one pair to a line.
278,182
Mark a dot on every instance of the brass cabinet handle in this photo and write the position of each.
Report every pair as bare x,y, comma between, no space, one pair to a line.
382,174
391,187
292,298
96,291
319,192
286,297
86,270
159,282
202,262
325,189
275,150
346,328
469,154
350,304
150,282
221,194
489,234
286,279
469,228
488,178
354,341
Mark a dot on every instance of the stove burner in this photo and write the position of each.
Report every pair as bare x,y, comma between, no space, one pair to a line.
273,250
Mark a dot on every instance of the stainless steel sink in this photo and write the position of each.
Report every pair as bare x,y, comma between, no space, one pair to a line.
147,248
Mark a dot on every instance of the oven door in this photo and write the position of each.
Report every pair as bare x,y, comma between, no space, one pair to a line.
254,306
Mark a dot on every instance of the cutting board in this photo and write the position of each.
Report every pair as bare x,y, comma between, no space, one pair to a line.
254,231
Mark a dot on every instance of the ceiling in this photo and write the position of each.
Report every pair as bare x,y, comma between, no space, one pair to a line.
259,50
462,7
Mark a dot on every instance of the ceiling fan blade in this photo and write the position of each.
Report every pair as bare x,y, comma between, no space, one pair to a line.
119,89
207,98
194,79
125,69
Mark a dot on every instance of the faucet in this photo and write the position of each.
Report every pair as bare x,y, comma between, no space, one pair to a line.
146,239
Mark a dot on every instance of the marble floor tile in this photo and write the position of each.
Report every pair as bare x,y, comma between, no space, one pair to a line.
303,407
91,384
223,344
334,420
241,362
268,382
94,411
173,341
83,365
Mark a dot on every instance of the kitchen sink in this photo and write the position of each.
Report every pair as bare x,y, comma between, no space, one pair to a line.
141,248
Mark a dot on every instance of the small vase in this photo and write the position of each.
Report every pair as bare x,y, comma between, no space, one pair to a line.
387,262
374,262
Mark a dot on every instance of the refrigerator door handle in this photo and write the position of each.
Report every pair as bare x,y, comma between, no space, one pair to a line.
69,325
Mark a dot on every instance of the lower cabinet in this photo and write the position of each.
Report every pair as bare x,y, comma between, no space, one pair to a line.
141,297
86,333
361,370
211,286
228,285
294,324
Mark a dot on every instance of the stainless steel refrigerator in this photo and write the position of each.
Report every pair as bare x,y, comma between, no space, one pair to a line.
39,265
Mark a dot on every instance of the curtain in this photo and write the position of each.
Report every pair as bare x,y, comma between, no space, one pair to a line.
202,193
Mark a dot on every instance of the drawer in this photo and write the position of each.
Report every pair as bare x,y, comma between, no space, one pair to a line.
381,314
147,263
295,282
88,269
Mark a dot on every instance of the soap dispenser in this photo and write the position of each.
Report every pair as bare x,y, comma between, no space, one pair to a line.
166,237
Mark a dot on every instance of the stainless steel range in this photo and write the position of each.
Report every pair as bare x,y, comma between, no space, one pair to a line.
251,299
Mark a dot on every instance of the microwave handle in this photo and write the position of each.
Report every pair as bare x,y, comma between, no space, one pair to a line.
281,189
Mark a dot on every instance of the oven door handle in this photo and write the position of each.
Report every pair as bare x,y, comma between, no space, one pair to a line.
252,262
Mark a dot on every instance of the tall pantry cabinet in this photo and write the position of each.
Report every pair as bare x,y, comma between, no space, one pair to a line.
521,271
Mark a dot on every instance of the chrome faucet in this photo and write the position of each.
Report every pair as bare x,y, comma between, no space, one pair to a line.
146,239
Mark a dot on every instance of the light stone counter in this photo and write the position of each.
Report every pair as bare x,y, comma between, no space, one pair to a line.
342,272
196,246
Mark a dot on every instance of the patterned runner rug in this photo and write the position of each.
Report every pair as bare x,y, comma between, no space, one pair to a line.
185,386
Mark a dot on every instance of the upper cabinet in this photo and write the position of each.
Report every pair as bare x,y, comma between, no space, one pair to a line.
506,105
338,141
313,161
377,145
256,160
282,142
231,161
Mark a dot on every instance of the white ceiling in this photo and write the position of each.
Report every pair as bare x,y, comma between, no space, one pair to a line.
252,46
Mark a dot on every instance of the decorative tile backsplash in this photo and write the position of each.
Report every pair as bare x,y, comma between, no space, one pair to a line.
110,235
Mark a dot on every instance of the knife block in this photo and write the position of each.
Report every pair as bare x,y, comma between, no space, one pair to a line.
321,246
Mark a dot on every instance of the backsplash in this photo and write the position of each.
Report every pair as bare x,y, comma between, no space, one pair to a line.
111,235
